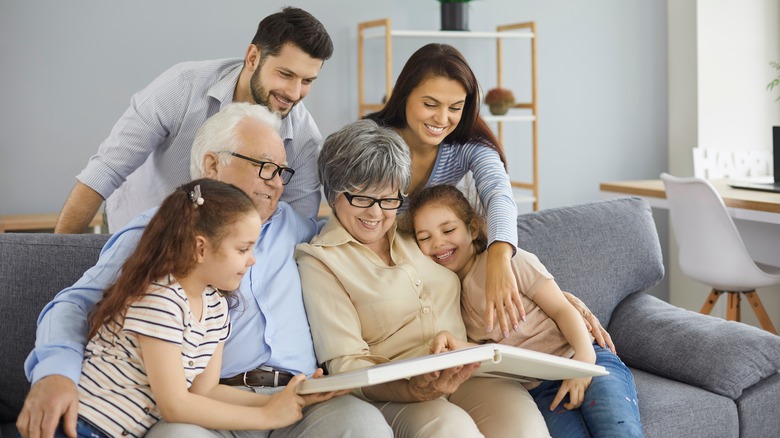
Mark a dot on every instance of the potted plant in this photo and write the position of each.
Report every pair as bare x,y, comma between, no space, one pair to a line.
776,81
454,14
499,100
775,129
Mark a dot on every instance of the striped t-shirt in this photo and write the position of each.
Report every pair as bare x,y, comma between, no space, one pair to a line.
454,161
114,391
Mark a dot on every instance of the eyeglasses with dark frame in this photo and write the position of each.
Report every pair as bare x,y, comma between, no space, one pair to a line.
360,201
268,170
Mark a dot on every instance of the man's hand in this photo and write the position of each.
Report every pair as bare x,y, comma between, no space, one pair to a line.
600,334
51,398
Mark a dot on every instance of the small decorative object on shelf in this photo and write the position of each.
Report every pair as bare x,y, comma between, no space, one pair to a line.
776,81
499,100
454,14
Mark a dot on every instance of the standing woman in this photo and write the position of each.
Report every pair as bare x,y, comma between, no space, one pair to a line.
435,108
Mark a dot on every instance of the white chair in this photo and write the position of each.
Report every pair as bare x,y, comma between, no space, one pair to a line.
712,251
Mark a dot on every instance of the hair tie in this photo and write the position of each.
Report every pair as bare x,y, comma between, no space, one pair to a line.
195,196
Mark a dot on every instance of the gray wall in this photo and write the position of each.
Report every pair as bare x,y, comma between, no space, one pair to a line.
69,68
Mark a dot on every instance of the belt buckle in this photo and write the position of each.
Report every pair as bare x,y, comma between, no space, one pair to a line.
270,370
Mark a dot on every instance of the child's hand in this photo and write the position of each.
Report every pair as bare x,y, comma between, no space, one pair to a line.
318,397
576,390
446,341
285,407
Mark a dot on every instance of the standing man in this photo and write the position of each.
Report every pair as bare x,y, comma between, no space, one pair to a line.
147,154
270,339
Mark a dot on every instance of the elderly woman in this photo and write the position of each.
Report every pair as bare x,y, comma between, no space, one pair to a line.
373,297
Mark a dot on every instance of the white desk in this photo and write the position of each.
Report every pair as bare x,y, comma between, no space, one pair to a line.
749,205
756,213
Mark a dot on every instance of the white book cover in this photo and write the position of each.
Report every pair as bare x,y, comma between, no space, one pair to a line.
502,361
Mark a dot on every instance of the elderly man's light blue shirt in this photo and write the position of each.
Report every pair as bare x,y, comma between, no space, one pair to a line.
269,324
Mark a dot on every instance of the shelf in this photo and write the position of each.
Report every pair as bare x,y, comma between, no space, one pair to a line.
40,222
448,34
382,29
510,118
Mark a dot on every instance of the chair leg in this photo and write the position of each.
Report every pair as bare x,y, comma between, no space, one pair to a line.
712,298
732,309
758,309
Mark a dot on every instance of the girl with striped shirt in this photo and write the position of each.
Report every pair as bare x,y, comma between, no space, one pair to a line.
157,335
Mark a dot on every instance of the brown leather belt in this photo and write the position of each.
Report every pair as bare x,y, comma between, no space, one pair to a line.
261,376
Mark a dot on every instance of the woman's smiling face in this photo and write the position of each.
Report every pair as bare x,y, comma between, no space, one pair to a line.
433,110
368,226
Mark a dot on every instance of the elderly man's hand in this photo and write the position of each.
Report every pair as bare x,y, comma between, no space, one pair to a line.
600,334
51,398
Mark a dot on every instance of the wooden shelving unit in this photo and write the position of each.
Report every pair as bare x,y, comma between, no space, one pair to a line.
382,29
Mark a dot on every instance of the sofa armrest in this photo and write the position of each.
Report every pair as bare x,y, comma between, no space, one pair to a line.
724,357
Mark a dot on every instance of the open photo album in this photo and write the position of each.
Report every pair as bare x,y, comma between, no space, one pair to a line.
496,360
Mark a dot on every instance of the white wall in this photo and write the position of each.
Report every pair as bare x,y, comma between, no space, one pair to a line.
69,69
719,53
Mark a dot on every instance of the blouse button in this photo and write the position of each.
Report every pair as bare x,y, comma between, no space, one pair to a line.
191,363
417,282
426,309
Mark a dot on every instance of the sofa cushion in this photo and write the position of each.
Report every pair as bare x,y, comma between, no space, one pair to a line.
673,409
599,251
34,268
724,357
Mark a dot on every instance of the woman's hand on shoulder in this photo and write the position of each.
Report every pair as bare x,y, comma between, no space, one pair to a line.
502,296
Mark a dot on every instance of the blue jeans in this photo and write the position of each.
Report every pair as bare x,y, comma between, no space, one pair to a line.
84,429
610,407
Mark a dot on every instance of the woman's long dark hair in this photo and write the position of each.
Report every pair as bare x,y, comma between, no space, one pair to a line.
168,243
431,61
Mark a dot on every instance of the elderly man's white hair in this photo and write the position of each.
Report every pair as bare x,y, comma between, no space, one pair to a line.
218,133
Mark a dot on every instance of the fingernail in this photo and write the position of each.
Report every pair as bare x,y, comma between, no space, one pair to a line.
489,328
506,333
522,318
517,328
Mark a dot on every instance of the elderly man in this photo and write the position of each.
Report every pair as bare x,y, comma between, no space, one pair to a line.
146,155
270,340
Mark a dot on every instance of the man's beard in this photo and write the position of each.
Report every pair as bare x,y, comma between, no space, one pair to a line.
263,97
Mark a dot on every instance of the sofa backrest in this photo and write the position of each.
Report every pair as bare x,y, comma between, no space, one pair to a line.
33,268
600,251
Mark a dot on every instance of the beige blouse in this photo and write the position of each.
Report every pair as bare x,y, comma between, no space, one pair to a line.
539,332
363,312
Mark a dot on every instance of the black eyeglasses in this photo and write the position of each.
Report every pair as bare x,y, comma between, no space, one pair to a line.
367,201
269,170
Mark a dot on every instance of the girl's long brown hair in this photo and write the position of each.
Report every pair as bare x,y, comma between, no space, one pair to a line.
168,243
431,61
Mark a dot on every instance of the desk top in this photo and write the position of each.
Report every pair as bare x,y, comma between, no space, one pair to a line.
735,198
34,222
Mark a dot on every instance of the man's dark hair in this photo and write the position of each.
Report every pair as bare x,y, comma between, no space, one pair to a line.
296,26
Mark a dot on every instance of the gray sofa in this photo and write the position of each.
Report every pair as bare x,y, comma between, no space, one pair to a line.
697,376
